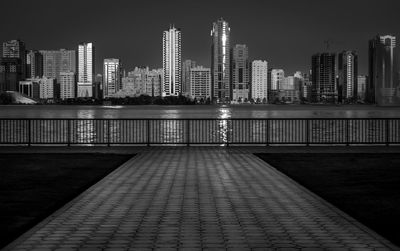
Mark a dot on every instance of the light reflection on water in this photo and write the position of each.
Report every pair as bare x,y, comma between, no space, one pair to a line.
223,127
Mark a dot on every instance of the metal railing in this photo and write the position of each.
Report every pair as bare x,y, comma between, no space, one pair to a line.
343,131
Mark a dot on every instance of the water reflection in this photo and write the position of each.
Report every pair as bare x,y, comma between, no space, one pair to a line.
223,125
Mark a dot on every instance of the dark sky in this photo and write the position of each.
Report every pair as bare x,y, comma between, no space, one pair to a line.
284,32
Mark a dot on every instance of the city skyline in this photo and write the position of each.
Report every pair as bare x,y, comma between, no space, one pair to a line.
285,33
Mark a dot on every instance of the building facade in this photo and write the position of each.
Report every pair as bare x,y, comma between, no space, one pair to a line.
383,85
86,67
34,64
29,88
16,49
112,77
172,62
186,66
57,61
240,73
220,62
200,83
348,72
362,87
259,81
11,73
323,78
67,85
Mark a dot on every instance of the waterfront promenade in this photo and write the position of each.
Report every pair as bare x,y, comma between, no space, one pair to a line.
194,198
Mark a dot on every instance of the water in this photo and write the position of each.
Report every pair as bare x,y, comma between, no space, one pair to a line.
166,112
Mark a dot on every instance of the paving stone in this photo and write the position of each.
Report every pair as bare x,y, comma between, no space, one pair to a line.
198,198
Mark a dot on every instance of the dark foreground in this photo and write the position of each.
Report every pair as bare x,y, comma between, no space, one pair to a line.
366,186
32,186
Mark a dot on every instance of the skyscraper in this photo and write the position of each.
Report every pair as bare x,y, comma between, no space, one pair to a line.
277,76
240,72
323,77
67,85
361,87
10,74
200,83
86,64
186,66
259,81
172,62
112,77
220,62
348,72
34,64
383,85
57,61
16,49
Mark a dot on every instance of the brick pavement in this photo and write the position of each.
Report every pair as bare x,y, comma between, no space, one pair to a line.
198,198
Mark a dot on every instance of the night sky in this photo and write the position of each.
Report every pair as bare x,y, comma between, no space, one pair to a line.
285,33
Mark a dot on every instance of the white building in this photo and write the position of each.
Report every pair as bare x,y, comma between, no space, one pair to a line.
277,76
172,62
200,82
259,80
287,83
112,77
86,64
67,85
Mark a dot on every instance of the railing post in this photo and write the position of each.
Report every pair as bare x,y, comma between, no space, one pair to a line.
268,121
108,132
187,132
29,132
69,132
387,132
347,132
148,132
308,132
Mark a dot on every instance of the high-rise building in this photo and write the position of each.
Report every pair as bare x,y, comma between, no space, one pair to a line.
29,88
361,87
200,83
67,85
220,62
48,88
259,81
86,65
277,76
323,77
153,82
186,66
172,62
16,49
240,73
10,74
57,61
112,77
348,72
34,64
383,85
287,83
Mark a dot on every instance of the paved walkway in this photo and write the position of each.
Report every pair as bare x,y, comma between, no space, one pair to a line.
198,198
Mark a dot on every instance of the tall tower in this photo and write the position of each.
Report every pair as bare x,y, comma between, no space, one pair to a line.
86,64
348,73
259,80
111,76
172,62
186,66
16,49
240,72
34,64
323,77
220,62
383,85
